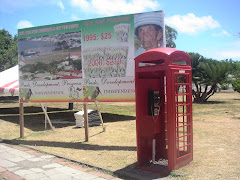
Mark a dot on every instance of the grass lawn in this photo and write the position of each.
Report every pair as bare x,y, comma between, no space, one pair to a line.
216,131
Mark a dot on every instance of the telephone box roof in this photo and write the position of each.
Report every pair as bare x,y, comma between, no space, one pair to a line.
162,53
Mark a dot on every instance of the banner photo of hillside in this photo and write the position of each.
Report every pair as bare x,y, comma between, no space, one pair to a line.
83,60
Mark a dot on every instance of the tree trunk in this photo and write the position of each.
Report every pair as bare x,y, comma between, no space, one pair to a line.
201,97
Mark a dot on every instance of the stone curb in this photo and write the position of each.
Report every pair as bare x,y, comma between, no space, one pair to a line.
8,175
108,171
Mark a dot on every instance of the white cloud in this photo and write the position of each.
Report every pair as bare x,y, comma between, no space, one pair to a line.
230,54
80,3
114,7
225,51
24,24
221,34
74,17
235,44
60,4
231,50
191,24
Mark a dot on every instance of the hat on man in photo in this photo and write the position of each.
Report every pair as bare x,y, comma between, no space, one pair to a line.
148,18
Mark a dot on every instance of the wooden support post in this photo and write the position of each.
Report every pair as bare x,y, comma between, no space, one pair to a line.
46,115
21,119
85,110
100,116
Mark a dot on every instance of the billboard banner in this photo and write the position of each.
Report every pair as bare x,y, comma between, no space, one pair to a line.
86,60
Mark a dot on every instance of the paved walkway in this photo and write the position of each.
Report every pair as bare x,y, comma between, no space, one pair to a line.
18,163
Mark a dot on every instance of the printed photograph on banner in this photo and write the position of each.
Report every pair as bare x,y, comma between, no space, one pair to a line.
50,65
91,93
86,60
149,31
50,57
105,62
107,46
25,94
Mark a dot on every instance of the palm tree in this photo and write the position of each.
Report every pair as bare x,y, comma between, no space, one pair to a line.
236,75
206,75
196,75
214,73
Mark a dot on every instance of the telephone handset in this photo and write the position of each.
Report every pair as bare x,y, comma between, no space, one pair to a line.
154,103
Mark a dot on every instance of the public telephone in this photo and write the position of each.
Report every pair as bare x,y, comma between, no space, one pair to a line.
164,139
154,103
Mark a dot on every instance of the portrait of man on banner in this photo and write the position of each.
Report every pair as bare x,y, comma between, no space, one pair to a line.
149,31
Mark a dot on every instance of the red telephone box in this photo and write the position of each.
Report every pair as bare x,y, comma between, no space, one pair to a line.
163,83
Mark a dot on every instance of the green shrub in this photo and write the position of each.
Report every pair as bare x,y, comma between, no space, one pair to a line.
236,85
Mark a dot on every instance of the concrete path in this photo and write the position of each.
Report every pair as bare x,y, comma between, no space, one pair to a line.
19,163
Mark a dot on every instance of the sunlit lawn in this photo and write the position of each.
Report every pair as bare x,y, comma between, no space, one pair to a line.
216,127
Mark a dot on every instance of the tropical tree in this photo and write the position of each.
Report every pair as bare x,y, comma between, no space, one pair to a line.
8,50
235,69
206,75
196,59
236,85
171,35
236,75
214,73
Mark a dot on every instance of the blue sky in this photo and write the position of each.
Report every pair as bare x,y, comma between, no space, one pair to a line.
208,27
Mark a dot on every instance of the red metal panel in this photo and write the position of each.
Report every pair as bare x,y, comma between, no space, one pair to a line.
171,121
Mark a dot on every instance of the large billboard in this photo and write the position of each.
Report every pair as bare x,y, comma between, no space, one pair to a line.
86,60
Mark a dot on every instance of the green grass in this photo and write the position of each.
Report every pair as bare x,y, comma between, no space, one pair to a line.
216,144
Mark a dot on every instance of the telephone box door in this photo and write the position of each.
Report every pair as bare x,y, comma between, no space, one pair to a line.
183,118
